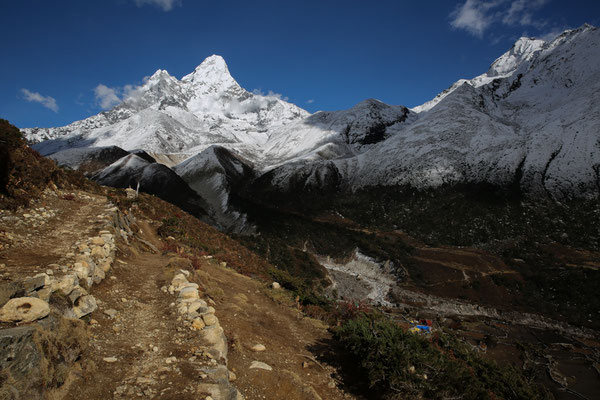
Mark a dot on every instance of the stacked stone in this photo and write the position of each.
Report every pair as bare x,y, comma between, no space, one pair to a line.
199,314
94,259
201,317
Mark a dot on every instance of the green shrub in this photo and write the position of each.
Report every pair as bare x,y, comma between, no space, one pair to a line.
400,363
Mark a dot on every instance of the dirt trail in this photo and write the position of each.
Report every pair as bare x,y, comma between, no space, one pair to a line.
146,334
139,345
142,337
44,234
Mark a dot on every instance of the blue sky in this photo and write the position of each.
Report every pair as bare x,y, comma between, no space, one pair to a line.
321,55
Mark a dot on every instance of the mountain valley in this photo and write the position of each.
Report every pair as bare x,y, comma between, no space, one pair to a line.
477,210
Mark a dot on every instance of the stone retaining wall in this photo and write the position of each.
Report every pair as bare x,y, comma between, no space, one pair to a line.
198,315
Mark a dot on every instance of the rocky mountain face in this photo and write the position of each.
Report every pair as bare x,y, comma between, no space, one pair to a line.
532,119
530,122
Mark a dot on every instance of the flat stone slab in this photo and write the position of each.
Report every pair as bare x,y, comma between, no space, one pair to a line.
260,365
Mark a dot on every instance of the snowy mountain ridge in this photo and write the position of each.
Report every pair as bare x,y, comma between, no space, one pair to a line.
532,119
167,115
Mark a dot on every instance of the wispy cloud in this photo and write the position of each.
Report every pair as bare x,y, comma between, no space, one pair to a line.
270,93
477,16
474,16
106,97
166,5
46,101
310,101
552,34
520,12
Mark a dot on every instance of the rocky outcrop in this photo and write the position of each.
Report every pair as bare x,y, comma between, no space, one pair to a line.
36,358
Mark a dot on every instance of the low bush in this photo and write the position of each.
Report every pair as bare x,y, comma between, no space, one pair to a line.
401,364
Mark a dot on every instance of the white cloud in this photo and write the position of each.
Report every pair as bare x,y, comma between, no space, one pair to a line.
476,16
166,5
46,101
106,97
520,12
310,101
270,93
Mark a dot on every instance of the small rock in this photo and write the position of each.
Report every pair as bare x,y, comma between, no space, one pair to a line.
258,347
38,281
44,294
155,349
189,293
331,384
105,266
142,380
190,285
83,248
260,365
197,306
24,309
123,299
81,270
209,319
98,275
98,253
198,323
76,293
178,281
110,359
97,241
93,322
223,264
111,312
275,285
66,284
232,376
84,306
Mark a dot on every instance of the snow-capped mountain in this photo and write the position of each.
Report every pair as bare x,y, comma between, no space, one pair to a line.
167,115
532,119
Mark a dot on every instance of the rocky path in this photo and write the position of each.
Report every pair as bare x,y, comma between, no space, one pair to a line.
137,348
43,235
141,344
